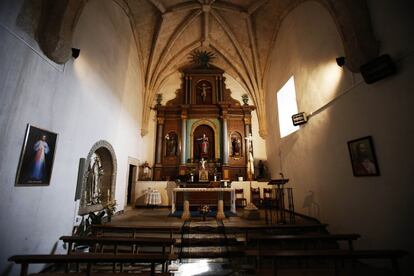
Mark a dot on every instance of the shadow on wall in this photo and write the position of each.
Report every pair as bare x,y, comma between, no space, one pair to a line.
7,270
169,188
310,204
140,200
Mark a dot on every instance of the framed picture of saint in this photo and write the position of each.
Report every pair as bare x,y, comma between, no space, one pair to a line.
363,159
36,158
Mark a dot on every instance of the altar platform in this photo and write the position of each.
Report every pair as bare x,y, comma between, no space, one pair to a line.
165,188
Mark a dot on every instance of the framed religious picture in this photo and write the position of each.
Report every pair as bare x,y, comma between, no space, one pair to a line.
36,158
363,159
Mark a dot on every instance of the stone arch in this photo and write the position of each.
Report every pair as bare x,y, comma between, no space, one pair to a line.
108,163
58,22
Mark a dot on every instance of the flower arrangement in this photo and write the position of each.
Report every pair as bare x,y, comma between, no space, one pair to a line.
110,209
204,209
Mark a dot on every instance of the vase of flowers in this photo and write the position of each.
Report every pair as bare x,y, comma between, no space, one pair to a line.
204,209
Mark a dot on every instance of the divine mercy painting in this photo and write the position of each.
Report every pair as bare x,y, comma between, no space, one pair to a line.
36,159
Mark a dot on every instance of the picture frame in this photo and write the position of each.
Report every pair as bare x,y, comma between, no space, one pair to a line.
363,158
37,157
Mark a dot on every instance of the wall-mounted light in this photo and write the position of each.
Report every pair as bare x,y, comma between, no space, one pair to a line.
75,53
299,118
340,61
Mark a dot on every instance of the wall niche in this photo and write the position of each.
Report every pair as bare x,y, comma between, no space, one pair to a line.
98,181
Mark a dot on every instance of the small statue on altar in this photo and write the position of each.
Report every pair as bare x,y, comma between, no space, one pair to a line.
203,163
203,172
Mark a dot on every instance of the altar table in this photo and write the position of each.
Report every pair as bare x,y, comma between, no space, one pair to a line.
197,193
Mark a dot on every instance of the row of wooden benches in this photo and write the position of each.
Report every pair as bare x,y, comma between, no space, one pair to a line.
254,238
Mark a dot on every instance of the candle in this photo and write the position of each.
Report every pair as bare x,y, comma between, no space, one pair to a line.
109,193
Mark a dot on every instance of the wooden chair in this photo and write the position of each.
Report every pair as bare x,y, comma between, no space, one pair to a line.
268,203
255,197
241,201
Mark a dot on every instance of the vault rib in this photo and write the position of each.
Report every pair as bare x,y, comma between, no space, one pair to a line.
176,34
237,47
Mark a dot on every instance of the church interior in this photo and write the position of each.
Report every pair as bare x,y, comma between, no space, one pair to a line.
243,137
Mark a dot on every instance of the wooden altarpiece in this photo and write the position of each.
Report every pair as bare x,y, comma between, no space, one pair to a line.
202,122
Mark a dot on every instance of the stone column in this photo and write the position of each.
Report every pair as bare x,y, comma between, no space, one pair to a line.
182,169
220,210
247,130
186,210
158,154
184,139
160,127
225,141
225,147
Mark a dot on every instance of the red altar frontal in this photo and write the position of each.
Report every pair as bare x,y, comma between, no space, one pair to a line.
203,133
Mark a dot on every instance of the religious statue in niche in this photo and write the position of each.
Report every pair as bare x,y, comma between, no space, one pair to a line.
204,90
204,146
94,174
146,171
235,145
171,144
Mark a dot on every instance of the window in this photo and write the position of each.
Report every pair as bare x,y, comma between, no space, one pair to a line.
286,104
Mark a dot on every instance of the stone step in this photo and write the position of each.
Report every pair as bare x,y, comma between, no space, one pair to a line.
207,242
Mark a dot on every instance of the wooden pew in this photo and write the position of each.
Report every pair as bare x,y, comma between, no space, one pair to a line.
133,230
90,259
392,255
280,229
263,239
100,241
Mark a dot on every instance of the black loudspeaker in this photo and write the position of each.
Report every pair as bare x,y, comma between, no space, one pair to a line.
81,171
377,69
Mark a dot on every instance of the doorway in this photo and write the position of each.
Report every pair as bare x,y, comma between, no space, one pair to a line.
132,176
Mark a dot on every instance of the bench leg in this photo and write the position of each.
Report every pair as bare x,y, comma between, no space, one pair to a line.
395,267
23,271
274,266
152,269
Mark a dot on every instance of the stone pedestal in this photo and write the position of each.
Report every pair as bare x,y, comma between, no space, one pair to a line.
220,210
186,210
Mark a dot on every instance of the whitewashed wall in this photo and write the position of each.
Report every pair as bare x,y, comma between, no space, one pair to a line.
95,97
316,157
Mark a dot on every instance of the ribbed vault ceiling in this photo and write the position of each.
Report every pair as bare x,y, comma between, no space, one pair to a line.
240,32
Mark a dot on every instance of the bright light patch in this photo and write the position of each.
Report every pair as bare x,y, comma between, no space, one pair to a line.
287,106
196,268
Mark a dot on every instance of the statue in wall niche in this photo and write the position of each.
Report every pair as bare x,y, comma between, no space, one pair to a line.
204,144
146,171
171,141
95,172
236,146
